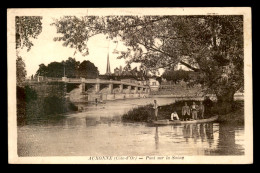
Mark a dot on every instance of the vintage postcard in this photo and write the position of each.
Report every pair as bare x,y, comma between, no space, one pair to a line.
130,86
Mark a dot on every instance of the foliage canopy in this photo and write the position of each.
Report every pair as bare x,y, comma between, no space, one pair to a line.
211,45
70,67
27,27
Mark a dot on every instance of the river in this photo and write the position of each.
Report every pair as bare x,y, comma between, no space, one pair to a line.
99,131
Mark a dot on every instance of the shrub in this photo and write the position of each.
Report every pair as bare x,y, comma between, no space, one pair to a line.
72,107
25,95
30,106
30,94
142,113
54,105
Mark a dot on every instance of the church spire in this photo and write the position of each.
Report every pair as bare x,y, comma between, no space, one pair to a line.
108,65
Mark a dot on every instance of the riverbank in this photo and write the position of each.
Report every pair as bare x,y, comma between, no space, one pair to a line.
32,106
146,113
237,96
236,116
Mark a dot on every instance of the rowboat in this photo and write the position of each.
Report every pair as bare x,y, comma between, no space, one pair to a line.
168,122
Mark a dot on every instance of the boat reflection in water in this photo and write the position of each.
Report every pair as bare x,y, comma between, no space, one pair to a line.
205,138
209,133
156,137
198,131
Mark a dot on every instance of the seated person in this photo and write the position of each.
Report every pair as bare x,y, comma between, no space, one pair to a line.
174,116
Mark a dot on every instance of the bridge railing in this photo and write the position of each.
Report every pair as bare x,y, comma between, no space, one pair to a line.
52,79
43,79
73,80
79,80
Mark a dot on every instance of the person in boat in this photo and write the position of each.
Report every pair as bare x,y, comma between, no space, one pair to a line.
174,116
201,110
155,107
185,112
208,105
96,101
194,111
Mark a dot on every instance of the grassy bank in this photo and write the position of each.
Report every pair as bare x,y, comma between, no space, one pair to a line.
146,113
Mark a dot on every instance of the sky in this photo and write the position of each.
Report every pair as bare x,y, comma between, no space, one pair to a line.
45,50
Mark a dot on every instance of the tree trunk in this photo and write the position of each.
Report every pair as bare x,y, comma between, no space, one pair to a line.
225,101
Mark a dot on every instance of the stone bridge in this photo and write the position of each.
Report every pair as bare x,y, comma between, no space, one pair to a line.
99,89
111,84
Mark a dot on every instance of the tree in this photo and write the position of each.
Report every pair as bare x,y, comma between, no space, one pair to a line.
42,71
210,45
27,27
20,72
55,69
88,70
71,67
177,75
76,31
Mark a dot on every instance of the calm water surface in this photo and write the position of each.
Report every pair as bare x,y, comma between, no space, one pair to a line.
99,131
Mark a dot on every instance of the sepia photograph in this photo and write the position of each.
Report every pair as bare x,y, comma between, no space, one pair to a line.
130,86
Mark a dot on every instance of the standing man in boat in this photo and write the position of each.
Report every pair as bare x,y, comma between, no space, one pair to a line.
185,112
194,111
96,101
201,110
155,107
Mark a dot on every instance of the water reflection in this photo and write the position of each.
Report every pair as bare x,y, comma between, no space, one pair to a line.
226,138
186,132
156,137
202,132
90,121
98,119
100,131
209,133
227,141
193,134
198,131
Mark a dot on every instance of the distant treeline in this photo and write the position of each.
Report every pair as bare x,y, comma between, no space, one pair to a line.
71,68
178,75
